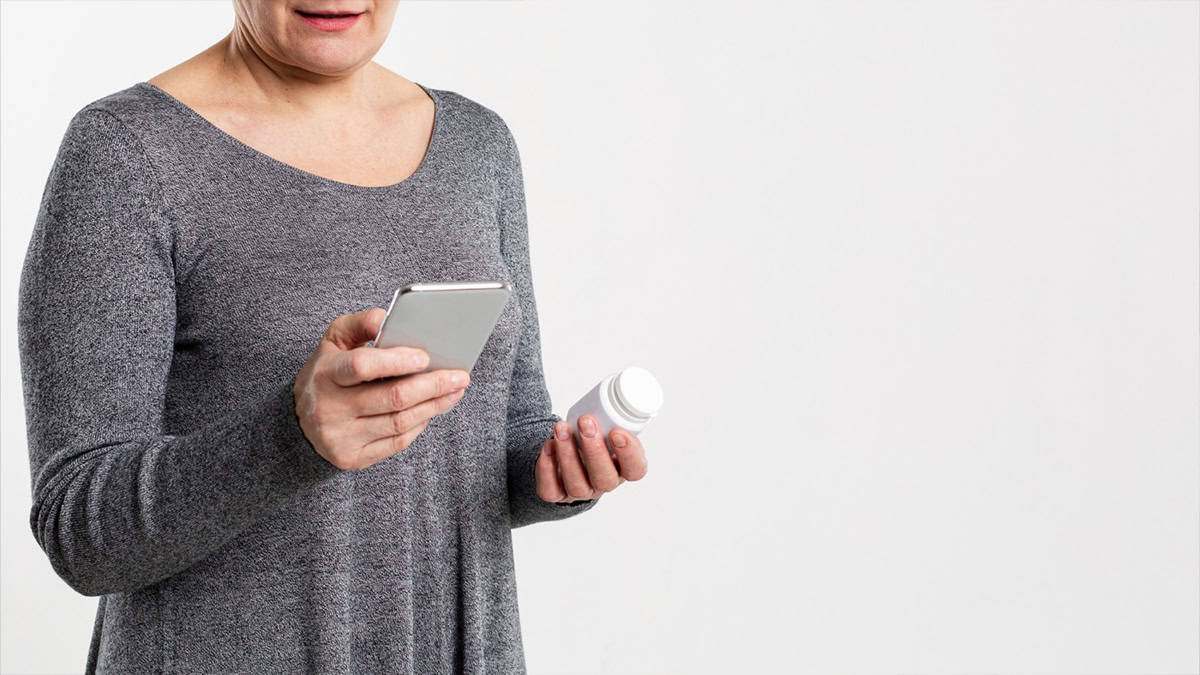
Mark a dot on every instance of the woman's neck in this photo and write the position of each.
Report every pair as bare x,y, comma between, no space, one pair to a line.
262,80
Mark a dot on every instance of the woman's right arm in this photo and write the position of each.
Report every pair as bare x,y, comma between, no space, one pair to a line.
118,504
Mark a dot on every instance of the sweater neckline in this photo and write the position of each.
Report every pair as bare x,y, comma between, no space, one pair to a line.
253,152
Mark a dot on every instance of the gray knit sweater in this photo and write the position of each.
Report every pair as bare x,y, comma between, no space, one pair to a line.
175,283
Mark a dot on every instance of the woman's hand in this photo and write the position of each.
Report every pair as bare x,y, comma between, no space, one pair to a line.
352,417
566,472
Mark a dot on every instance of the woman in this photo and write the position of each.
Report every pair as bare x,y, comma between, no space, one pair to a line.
214,449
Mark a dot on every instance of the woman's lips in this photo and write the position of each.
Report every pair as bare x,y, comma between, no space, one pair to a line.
331,22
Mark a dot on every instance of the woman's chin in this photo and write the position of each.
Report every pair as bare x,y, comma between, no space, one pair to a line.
328,59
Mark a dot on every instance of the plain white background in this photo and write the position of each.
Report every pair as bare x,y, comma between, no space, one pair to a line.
920,281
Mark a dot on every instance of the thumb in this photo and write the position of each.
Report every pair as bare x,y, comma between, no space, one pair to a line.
352,330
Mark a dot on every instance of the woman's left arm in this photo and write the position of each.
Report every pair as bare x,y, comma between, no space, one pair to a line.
538,477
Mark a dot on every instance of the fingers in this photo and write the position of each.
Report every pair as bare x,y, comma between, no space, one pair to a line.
348,400
601,473
351,330
386,396
386,447
631,456
398,422
549,484
568,471
364,364
570,468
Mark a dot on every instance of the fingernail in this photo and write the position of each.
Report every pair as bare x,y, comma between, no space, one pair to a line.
458,379
587,426
619,440
560,431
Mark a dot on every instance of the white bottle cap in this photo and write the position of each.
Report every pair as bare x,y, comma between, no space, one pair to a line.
638,391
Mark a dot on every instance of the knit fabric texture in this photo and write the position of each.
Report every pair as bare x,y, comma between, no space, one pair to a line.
175,283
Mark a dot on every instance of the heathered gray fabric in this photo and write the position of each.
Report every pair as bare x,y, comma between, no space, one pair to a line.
175,283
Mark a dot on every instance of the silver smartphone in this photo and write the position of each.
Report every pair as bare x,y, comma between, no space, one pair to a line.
449,320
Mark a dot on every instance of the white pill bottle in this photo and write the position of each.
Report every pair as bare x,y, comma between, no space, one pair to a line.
628,399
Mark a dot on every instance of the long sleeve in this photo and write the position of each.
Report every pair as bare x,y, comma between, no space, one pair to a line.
118,504
530,419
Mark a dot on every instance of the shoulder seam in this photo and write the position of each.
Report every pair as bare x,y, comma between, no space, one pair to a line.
507,162
154,172
160,205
